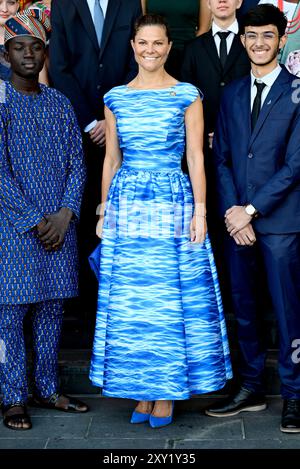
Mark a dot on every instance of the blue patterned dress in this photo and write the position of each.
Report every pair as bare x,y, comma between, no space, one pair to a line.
160,329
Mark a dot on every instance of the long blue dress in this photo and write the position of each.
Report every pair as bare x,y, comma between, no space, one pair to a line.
160,329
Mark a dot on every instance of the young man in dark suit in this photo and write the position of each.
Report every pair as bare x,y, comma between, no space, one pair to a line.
90,53
257,156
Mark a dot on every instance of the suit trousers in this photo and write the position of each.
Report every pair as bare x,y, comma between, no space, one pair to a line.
47,319
280,256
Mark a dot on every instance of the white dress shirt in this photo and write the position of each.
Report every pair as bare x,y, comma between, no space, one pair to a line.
91,4
233,29
268,80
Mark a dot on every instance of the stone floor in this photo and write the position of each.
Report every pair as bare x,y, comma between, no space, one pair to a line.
107,426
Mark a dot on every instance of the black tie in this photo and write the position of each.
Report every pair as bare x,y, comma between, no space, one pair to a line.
223,47
256,103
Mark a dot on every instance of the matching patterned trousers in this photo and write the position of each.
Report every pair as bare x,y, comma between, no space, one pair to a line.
47,318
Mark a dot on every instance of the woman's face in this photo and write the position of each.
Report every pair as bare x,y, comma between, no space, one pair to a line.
151,47
8,8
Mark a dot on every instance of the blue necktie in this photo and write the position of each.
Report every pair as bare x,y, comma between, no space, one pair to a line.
98,20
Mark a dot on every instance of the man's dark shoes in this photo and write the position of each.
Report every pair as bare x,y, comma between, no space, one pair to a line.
290,420
243,401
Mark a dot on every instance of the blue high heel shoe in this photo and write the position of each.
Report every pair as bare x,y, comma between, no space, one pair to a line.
138,417
157,422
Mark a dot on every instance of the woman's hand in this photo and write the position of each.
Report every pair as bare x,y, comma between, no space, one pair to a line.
99,226
198,229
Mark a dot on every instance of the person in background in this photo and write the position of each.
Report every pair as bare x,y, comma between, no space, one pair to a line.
257,157
214,59
90,53
186,19
8,8
42,176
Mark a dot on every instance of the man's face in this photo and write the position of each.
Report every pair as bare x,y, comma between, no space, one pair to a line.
223,9
26,56
262,44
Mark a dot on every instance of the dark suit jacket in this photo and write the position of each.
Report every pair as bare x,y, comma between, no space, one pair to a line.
202,67
262,167
78,67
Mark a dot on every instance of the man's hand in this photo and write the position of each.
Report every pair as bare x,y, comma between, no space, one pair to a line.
236,219
245,237
97,134
41,224
52,232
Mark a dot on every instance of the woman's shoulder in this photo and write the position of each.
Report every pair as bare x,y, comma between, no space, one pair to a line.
116,91
113,94
188,92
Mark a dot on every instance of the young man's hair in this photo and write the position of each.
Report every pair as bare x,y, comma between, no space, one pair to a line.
262,15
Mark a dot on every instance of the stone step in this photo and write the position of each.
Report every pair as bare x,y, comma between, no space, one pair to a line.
74,372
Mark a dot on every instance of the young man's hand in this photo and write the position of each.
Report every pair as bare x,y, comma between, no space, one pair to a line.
246,236
52,230
236,219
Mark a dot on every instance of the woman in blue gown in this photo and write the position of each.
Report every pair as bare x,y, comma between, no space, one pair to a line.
160,330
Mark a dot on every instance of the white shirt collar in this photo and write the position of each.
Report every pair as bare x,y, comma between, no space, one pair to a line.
268,79
233,28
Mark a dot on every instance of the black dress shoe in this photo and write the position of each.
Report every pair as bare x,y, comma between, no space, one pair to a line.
244,400
290,420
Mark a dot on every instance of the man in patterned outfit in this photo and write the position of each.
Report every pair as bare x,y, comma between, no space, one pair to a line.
41,183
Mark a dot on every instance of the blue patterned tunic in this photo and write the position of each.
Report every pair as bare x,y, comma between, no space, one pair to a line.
41,170
160,329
